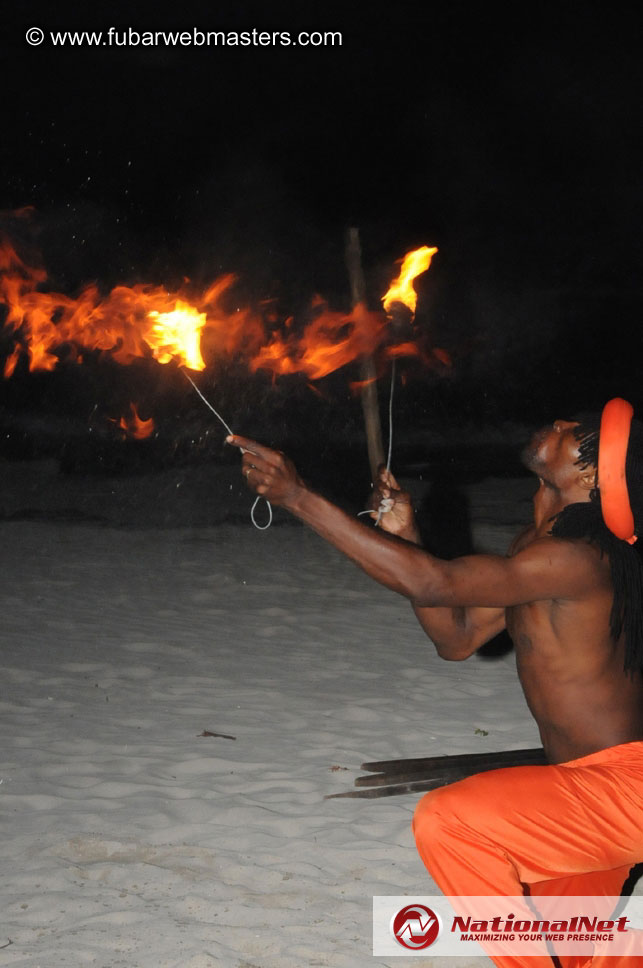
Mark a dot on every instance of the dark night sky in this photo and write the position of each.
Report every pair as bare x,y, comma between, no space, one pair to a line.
508,136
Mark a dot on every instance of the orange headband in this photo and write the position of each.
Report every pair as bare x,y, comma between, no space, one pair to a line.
612,452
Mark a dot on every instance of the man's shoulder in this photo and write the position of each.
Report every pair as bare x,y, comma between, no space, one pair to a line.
572,555
550,544
522,540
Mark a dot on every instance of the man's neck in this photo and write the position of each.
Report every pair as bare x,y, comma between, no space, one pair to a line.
549,502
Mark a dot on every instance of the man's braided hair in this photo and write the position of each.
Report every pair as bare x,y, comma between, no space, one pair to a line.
585,521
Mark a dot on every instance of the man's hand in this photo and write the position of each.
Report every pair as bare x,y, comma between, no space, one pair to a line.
269,472
396,515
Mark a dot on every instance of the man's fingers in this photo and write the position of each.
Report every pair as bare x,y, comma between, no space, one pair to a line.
252,447
256,478
386,478
244,444
252,462
391,481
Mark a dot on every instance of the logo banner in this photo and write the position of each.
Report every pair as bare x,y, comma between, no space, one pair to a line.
509,926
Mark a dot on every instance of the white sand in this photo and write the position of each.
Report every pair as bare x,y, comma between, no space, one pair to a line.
130,840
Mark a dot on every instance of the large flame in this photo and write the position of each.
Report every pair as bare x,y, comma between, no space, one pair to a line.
401,289
130,322
149,321
177,334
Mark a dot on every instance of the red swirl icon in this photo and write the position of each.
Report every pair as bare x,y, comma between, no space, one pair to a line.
416,926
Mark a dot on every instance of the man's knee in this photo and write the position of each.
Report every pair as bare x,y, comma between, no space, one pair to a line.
434,811
424,816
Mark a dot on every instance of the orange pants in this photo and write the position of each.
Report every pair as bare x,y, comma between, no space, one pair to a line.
571,829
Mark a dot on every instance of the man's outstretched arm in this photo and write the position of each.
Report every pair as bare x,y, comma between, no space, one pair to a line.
547,569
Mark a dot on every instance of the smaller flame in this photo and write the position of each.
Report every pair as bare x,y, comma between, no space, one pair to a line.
12,362
331,340
401,289
134,427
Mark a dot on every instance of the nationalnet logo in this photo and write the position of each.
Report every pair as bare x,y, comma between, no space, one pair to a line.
416,927
508,926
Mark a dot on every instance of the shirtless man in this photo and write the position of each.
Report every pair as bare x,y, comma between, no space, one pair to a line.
579,658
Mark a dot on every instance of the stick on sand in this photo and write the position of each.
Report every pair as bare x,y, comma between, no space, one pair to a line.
420,774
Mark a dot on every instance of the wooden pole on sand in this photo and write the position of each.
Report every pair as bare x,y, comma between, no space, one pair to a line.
368,372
